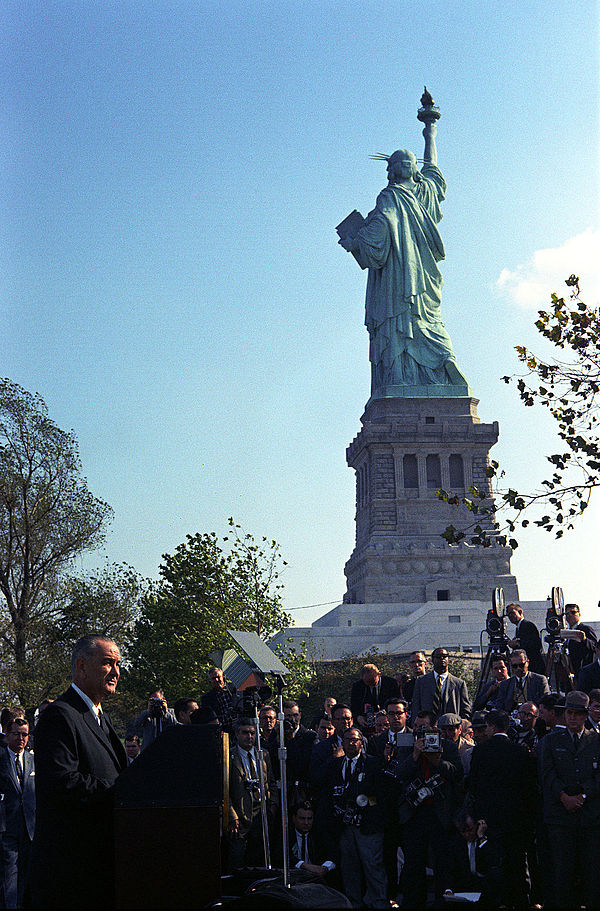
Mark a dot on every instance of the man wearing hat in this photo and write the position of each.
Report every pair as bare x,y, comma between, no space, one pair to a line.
570,775
450,726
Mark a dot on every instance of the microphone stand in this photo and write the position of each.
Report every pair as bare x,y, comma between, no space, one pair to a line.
263,793
282,753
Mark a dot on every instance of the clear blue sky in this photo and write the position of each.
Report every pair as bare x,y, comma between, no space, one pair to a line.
172,174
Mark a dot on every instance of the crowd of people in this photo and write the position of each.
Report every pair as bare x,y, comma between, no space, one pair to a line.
412,790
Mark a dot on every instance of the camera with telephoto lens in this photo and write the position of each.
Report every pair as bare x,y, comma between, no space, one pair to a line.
157,708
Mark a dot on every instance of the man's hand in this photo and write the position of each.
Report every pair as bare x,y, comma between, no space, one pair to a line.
481,828
234,828
435,759
514,643
418,748
337,751
388,752
572,803
314,868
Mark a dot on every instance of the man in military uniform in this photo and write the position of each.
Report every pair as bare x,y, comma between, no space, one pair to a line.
570,773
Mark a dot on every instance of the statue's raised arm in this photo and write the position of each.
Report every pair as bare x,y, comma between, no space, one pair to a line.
399,243
429,113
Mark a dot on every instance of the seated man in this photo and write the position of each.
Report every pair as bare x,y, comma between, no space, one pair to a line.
489,691
304,854
523,686
474,867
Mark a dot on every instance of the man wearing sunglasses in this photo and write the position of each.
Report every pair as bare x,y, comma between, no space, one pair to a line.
522,686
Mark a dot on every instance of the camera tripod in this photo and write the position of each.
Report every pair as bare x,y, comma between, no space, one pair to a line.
558,667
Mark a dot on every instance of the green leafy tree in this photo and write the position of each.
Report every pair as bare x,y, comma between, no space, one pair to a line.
205,587
567,386
47,518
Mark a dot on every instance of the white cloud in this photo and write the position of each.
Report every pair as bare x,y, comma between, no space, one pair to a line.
531,285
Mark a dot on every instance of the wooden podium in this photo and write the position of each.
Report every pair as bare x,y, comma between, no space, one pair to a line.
168,806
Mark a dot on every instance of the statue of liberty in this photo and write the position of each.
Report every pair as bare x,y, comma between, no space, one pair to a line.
399,243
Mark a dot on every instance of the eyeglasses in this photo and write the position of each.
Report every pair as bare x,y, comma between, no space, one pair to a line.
518,664
394,712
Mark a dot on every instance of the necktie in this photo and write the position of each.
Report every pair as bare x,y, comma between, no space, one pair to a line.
437,696
348,772
20,773
251,765
304,857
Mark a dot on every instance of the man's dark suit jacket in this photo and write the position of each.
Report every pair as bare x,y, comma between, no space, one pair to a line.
299,751
19,815
19,805
447,799
367,779
582,653
455,698
529,640
378,743
502,784
589,677
76,766
537,686
361,694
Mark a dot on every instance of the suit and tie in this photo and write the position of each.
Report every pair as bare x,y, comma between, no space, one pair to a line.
17,785
453,697
529,640
515,690
244,806
77,761
360,845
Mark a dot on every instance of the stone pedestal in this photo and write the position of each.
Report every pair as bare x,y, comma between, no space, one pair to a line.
407,449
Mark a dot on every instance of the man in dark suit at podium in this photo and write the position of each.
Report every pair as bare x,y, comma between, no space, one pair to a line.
17,784
78,757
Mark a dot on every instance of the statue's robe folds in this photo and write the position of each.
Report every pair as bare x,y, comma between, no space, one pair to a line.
401,247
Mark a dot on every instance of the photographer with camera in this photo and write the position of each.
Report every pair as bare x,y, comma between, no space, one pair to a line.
352,795
430,796
489,691
150,723
245,841
219,698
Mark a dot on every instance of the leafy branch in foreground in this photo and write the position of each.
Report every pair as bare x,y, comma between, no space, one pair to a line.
568,387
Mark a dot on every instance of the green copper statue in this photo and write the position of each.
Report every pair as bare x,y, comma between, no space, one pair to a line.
399,243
